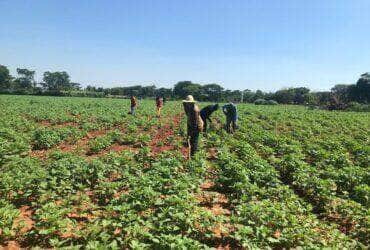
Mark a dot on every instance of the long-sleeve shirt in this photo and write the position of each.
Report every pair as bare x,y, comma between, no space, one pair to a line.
230,111
194,121
159,102
133,101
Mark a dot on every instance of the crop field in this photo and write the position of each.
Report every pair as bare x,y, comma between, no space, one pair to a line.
81,172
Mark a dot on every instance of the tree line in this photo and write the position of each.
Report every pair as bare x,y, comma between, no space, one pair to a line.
341,96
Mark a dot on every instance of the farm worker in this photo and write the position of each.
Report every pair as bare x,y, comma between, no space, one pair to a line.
194,123
133,105
159,104
231,116
206,113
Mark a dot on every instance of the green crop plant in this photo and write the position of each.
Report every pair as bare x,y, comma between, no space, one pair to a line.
92,176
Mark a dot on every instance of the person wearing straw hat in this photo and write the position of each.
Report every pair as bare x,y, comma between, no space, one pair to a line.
194,123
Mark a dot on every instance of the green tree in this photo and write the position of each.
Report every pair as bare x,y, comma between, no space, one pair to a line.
361,91
248,96
164,92
259,95
182,89
300,95
5,78
58,81
292,95
25,79
91,88
212,92
148,91
285,96
340,91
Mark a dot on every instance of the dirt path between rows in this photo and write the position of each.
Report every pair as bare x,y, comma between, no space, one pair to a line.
215,201
159,142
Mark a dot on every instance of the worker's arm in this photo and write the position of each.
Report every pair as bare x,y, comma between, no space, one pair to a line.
198,118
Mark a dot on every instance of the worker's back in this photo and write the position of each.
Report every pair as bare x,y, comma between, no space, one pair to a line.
192,113
230,110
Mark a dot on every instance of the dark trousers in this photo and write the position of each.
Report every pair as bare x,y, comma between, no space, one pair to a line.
230,123
193,139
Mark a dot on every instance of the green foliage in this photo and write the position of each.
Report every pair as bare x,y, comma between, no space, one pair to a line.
353,97
57,82
44,138
100,143
5,78
8,215
94,177
358,107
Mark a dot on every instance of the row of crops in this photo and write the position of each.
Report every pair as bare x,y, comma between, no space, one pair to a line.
82,172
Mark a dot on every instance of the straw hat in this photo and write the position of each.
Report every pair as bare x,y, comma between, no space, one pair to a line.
189,98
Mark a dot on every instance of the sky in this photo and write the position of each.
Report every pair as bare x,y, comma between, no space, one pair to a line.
240,44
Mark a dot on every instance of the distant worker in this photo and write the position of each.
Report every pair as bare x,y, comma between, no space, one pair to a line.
194,123
231,116
206,113
133,105
159,104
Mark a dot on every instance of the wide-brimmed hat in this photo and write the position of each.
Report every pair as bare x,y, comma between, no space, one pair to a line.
189,98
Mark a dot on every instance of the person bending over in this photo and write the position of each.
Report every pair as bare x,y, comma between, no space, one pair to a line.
231,116
206,113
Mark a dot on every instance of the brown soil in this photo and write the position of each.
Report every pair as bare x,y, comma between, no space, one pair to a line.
165,132
212,200
158,143
24,220
119,193
116,148
25,223
70,233
11,245
80,145
212,154
218,204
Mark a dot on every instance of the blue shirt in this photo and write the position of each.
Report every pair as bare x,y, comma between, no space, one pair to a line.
230,111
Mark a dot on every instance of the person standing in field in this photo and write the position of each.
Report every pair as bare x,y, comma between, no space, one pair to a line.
206,113
231,116
133,105
194,123
159,104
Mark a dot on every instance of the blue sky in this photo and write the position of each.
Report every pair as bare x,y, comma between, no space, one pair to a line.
241,44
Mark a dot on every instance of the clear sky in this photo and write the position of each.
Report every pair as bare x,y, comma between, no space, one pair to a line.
240,44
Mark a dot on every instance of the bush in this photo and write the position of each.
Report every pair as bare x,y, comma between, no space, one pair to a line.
265,102
260,102
100,143
45,138
82,93
272,102
358,107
